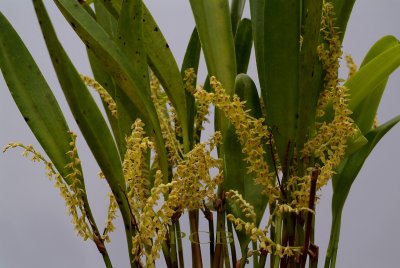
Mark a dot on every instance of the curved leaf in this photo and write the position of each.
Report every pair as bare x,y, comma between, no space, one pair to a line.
82,105
243,44
365,112
344,179
163,64
363,82
118,65
33,96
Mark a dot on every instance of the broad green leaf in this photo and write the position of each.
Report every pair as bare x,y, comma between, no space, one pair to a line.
126,110
363,82
82,105
163,64
33,96
281,55
215,32
309,80
191,60
130,37
365,112
344,179
117,64
243,44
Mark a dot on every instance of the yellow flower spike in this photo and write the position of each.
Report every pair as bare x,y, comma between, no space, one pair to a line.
112,106
174,148
73,193
251,132
112,214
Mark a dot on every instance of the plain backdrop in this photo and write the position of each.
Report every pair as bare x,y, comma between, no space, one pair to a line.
35,230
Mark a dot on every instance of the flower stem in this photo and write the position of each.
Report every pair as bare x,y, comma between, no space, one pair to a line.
194,233
180,249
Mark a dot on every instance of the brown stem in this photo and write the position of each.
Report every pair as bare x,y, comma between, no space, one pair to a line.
311,206
195,240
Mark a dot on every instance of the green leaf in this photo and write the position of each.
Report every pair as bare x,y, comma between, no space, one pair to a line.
33,96
127,112
258,23
118,65
237,7
246,90
309,81
163,64
365,112
243,44
82,105
191,60
215,32
372,74
281,55
130,37
344,179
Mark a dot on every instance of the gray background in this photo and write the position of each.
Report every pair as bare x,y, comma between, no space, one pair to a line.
35,230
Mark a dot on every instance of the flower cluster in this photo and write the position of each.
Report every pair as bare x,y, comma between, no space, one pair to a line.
329,143
71,186
135,166
112,106
351,66
160,101
257,234
190,186
202,106
246,208
251,132
329,54
111,215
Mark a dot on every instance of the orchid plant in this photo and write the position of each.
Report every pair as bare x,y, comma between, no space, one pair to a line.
277,141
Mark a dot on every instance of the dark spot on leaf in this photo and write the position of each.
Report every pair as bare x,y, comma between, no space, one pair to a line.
73,25
144,20
124,43
40,22
77,121
87,45
297,115
156,29
26,119
105,84
56,60
312,74
166,45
